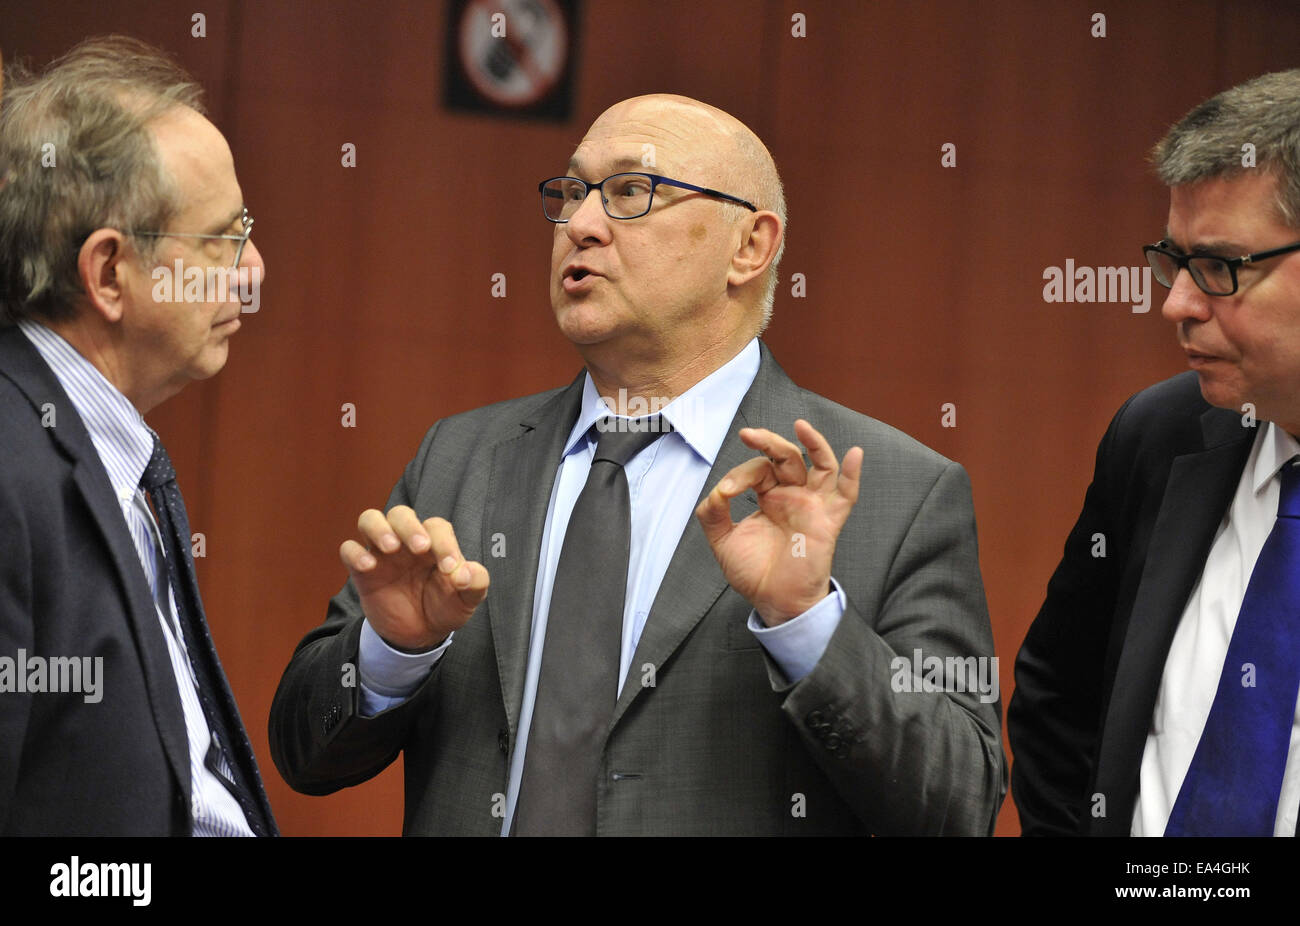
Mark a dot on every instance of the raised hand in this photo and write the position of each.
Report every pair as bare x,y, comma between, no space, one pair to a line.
415,586
779,558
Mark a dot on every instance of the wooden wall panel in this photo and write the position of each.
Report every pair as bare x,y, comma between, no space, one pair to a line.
924,283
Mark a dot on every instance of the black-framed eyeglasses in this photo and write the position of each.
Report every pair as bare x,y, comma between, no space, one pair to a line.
624,196
1215,276
246,219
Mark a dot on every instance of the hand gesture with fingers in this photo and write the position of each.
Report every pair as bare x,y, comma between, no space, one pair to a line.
779,558
415,586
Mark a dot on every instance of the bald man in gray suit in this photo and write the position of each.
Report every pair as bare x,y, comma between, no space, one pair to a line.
637,662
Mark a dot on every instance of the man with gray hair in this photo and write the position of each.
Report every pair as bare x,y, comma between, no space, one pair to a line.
112,180
1156,690
642,663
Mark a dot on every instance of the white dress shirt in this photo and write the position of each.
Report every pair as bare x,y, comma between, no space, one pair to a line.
1200,645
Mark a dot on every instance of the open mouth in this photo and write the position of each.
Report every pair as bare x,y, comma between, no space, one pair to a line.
578,279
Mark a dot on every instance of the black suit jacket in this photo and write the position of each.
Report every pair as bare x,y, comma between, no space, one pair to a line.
71,585
1090,668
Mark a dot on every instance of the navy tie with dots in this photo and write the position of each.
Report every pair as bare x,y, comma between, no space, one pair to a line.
1234,783
229,740
578,684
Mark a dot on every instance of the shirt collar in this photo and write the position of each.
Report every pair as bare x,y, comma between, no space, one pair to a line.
701,415
117,429
1276,449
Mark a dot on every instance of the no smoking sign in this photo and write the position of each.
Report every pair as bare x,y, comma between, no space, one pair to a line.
511,57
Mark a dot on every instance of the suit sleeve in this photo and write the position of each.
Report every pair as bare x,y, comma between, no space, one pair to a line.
1054,717
911,761
319,740
16,632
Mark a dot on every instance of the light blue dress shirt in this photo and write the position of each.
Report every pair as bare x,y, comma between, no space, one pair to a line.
664,483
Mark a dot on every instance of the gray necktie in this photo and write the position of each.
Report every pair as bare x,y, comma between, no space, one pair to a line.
578,684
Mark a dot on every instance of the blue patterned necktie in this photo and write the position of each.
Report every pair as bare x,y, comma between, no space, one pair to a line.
1235,779
229,740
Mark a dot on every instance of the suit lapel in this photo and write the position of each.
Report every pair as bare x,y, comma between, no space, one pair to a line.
1200,488
694,580
519,493
21,362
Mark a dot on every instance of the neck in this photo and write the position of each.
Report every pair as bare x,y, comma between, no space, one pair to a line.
104,351
662,375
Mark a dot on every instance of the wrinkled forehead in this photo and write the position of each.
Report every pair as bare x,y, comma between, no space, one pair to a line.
1231,210
661,138
187,137
196,155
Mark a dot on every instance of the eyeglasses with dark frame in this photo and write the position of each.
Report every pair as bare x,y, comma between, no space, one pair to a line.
1213,275
633,194
246,219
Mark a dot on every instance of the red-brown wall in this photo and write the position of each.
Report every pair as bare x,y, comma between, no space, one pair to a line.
924,283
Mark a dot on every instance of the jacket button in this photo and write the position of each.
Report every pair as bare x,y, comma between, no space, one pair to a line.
832,741
814,719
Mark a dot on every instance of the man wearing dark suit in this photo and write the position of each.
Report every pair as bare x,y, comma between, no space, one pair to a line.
115,717
1156,690
641,664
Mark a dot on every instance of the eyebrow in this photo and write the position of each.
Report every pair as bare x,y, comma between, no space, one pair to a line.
1216,248
217,230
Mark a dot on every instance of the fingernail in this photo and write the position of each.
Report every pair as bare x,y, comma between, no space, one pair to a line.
419,542
462,577
448,563
726,485
367,561
389,542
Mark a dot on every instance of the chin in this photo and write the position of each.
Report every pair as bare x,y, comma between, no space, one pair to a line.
209,363
1222,395
583,324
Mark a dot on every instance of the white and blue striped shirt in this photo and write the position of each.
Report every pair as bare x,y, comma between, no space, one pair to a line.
125,444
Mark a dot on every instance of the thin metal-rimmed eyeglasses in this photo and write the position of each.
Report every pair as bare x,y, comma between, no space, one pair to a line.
1215,276
624,196
239,249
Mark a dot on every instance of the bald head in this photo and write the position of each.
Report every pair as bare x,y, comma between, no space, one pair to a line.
714,144
710,147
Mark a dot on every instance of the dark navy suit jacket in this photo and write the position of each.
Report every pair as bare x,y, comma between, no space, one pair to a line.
71,585
1090,668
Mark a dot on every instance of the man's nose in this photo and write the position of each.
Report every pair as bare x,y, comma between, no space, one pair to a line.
252,258
589,220
1185,300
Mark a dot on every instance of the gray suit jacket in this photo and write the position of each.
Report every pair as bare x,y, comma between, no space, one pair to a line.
722,743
